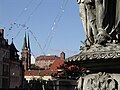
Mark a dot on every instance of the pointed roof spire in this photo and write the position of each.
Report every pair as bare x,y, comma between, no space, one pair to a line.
25,42
12,40
12,46
28,42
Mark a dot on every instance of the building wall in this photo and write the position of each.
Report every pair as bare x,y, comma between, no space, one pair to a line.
4,61
4,68
1,69
15,74
6,64
45,61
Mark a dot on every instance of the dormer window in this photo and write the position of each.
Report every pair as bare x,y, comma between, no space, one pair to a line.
15,53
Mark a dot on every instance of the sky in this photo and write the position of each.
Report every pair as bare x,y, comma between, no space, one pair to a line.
53,25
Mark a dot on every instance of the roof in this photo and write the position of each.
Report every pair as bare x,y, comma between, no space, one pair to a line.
39,72
51,57
13,48
57,63
28,42
25,42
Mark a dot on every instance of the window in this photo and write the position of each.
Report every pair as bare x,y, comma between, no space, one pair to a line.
5,70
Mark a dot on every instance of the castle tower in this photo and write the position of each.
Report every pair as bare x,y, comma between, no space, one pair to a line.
62,55
26,53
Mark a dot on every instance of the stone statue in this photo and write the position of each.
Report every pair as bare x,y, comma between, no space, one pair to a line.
88,17
105,10
101,20
91,18
83,15
100,12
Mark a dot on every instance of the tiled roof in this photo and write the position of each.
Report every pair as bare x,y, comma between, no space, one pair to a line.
51,57
39,73
57,63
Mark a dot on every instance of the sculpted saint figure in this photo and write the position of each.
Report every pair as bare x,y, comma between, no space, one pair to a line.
105,15
100,20
91,17
100,12
83,15
88,16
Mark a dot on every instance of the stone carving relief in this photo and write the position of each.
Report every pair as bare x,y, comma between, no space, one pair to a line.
102,81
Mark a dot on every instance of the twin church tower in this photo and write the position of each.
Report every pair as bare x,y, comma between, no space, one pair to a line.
26,53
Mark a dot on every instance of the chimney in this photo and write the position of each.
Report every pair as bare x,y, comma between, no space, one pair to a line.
2,32
62,55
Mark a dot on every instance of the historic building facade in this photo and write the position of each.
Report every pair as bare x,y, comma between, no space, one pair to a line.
10,76
16,68
4,61
45,62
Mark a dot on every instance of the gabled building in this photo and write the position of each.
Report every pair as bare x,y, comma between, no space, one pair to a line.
4,61
16,68
26,54
45,62
10,75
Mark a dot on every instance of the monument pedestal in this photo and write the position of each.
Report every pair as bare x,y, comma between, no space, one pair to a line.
103,64
100,65
100,55
100,81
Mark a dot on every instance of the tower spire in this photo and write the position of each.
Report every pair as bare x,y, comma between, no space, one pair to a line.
28,42
25,42
26,53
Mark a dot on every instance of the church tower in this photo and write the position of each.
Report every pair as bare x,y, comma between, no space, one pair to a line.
26,53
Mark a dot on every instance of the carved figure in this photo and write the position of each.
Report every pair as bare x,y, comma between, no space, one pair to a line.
102,81
100,12
101,20
80,83
112,84
83,15
91,17
105,10
89,84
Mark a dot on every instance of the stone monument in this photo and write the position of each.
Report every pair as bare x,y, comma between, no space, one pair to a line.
100,54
